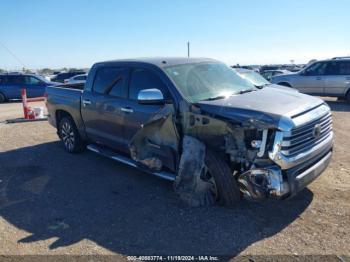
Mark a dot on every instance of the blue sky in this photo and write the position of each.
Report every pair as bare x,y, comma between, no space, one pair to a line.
47,33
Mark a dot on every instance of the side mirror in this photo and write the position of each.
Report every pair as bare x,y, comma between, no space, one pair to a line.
150,96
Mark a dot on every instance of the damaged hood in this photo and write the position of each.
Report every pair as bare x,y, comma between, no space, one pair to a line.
264,106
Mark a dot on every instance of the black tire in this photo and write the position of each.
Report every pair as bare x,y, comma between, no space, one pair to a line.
70,136
348,96
284,84
2,98
226,185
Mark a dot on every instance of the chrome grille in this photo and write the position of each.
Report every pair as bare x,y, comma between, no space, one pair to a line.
304,137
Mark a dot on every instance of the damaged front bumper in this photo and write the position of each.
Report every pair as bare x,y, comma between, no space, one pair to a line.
272,181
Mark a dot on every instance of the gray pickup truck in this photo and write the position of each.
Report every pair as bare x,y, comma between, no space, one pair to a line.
196,122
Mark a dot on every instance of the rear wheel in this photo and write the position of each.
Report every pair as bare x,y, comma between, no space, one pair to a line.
224,186
70,136
2,98
348,96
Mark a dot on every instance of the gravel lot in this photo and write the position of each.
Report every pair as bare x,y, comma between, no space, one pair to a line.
52,202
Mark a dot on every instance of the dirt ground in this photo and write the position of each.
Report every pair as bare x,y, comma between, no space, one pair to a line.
52,202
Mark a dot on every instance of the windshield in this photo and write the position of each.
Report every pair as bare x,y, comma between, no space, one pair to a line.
42,78
203,81
255,78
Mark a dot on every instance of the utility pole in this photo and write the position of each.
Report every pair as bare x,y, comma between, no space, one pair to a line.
188,49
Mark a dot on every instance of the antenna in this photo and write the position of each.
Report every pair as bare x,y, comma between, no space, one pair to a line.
12,54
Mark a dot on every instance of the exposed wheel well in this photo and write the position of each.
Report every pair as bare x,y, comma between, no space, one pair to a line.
347,95
61,114
285,84
1,93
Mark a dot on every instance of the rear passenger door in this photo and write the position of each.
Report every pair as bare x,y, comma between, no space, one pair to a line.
101,107
337,78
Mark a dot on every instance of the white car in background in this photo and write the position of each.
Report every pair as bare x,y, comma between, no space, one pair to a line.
76,79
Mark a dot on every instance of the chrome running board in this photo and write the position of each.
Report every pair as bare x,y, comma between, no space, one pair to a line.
125,160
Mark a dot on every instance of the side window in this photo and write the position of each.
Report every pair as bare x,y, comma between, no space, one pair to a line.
30,80
344,68
316,69
332,68
16,80
145,79
110,80
80,78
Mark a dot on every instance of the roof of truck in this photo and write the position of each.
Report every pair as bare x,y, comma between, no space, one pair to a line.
164,61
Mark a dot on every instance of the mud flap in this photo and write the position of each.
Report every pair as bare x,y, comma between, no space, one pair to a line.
156,144
188,183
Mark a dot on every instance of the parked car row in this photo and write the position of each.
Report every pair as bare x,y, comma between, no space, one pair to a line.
322,78
61,77
77,79
11,85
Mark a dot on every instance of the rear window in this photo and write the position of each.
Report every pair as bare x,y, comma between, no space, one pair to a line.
338,68
344,68
15,79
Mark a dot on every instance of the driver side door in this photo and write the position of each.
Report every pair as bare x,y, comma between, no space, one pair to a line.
153,141
136,114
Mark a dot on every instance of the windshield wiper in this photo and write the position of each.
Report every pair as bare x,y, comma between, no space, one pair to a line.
262,86
214,98
246,91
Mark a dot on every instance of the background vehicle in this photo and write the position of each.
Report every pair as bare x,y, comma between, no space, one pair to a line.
76,79
268,74
11,85
259,81
63,76
268,68
198,123
323,78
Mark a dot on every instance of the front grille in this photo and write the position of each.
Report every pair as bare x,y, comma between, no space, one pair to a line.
302,138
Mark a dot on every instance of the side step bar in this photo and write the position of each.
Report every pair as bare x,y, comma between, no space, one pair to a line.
125,160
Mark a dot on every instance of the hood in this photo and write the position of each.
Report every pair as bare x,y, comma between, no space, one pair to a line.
265,106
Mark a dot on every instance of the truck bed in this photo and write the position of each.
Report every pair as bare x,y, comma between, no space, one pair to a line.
65,98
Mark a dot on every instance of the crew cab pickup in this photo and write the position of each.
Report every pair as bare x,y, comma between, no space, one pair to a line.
196,122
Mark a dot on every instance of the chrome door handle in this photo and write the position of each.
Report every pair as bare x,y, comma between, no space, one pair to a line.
86,102
318,78
127,110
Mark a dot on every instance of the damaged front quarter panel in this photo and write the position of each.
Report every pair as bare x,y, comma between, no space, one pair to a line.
158,144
